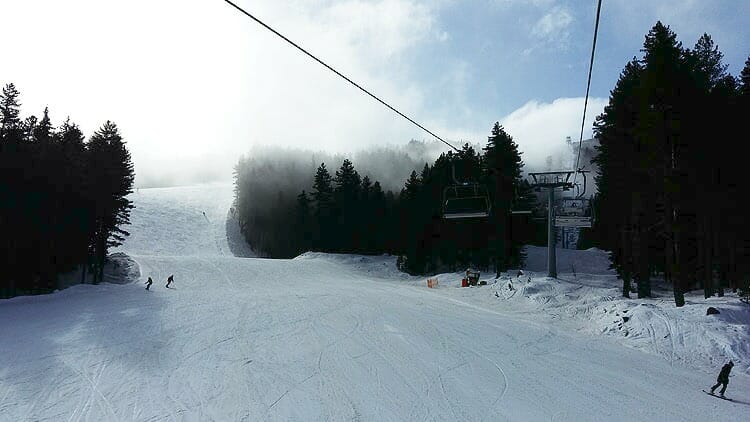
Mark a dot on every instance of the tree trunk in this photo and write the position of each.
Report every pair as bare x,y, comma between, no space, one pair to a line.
644,273
100,277
626,279
84,266
626,285
704,252
717,261
677,276
672,251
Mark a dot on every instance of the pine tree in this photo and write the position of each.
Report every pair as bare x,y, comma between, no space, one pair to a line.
411,187
654,148
616,128
707,100
43,131
45,209
324,209
745,79
13,164
76,200
303,223
10,108
664,81
735,250
347,195
366,216
384,226
503,174
112,180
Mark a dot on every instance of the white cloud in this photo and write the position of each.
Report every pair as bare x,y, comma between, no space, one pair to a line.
553,26
193,84
536,3
540,129
551,30
381,29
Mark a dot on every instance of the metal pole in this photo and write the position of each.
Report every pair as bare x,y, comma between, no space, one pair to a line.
551,258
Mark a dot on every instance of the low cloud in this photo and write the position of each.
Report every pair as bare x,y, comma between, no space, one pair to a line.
192,93
540,129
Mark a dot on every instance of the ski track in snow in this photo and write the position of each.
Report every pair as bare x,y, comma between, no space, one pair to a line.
325,337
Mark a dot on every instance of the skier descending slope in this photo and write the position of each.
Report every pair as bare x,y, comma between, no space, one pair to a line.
149,282
170,279
723,378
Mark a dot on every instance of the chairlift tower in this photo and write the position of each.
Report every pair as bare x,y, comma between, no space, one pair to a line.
552,180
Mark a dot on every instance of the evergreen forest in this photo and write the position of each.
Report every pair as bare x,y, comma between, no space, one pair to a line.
63,199
669,175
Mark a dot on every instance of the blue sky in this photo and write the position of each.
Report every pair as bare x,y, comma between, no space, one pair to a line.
518,51
193,84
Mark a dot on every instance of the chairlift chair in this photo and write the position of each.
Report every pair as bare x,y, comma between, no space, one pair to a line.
573,207
463,200
468,200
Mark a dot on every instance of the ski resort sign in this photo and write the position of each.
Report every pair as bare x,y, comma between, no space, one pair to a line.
569,221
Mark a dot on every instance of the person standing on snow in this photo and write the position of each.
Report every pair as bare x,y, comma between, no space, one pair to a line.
170,279
148,283
723,378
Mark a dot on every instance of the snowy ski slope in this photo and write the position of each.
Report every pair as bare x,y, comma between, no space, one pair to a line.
319,337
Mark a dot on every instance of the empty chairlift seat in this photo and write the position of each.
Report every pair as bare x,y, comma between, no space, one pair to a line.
577,207
466,201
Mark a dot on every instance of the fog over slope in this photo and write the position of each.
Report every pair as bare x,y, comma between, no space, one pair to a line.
293,168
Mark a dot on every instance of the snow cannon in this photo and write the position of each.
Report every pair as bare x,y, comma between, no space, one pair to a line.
472,277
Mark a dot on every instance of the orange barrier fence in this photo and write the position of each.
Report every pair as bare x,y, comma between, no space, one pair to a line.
432,282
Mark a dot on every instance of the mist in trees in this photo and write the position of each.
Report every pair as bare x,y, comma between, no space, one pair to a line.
670,170
289,208
62,200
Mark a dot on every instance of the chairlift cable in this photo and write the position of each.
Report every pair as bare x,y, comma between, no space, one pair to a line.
243,11
588,87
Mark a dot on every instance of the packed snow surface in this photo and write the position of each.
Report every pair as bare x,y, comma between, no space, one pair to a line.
343,337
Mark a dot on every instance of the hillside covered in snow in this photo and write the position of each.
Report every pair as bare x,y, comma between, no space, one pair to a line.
345,337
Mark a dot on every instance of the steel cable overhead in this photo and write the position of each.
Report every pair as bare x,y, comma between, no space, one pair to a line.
588,87
243,11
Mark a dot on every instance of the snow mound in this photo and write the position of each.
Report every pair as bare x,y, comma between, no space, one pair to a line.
119,269
590,301
589,261
379,266
594,305
686,336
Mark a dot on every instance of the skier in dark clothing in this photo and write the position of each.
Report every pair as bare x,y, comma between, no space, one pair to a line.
148,283
723,378
169,280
